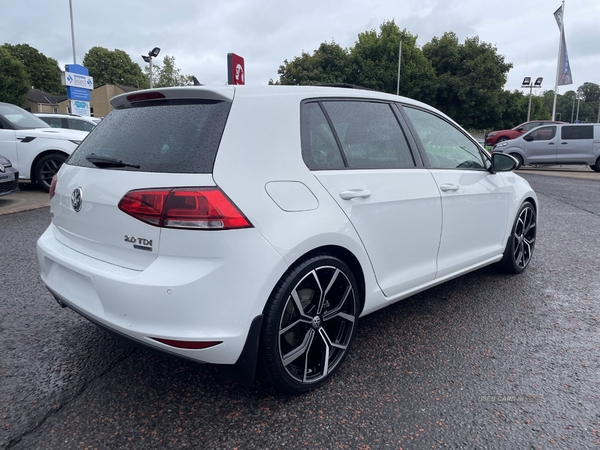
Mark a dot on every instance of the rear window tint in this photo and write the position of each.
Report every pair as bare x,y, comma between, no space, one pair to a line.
166,136
577,132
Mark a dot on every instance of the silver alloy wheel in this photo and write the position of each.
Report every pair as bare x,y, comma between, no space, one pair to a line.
524,237
317,324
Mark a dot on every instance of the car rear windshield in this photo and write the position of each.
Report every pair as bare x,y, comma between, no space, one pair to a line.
163,136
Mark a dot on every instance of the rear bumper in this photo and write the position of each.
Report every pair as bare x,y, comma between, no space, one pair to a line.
183,299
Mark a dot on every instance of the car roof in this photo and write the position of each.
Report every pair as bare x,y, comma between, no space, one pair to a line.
292,93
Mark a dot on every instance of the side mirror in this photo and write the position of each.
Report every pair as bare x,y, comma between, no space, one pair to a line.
520,129
528,138
501,162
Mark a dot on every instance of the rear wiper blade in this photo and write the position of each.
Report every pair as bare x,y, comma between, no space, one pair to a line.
107,161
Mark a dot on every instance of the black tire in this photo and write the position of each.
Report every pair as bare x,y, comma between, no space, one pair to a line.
46,168
521,242
306,335
596,167
502,139
519,158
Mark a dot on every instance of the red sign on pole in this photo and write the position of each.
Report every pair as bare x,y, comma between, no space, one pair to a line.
235,69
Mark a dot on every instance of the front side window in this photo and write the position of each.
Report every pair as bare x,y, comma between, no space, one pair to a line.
531,126
20,118
542,134
445,145
577,132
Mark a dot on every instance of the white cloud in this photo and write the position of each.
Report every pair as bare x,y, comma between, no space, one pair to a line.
199,33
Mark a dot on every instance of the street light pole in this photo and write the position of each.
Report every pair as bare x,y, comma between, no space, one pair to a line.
72,31
151,54
528,84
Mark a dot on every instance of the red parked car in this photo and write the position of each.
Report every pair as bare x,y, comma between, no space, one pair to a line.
504,135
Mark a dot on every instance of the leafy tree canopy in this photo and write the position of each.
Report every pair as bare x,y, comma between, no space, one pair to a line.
375,63
168,74
470,79
465,80
114,67
42,72
14,83
328,64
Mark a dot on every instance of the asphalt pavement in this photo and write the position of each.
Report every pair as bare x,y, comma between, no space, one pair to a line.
484,361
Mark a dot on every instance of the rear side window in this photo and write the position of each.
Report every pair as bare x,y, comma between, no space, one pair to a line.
165,136
54,122
319,146
368,134
80,125
577,132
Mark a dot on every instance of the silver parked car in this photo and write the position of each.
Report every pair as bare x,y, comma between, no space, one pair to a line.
556,144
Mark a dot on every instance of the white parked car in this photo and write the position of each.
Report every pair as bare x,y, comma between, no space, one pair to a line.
231,225
35,150
70,121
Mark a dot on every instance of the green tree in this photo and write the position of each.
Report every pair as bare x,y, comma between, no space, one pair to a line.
470,79
42,72
374,61
168,74
589,92
114,67
14,83
328,64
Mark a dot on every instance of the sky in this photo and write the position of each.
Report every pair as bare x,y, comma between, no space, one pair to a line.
200,33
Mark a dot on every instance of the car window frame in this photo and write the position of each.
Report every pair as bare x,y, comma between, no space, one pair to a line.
411,143
485,156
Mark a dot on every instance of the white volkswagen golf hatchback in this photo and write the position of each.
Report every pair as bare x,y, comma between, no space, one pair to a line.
236,225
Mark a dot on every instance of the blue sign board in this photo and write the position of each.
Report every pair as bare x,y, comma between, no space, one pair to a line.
75,93
78,69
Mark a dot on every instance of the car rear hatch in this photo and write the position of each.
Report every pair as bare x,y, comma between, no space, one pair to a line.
157,148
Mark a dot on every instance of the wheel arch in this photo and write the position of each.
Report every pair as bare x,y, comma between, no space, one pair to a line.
40,156
347,257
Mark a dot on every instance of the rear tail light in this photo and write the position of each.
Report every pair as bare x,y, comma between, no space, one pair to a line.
188,208
52,190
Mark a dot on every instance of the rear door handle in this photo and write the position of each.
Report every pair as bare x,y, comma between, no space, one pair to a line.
448,187
355,193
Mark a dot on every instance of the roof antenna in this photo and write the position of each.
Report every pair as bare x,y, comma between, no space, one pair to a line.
196,82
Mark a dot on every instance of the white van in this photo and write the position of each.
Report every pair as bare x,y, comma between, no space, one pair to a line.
556,144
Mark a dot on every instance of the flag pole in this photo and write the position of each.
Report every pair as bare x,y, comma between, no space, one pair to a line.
562,30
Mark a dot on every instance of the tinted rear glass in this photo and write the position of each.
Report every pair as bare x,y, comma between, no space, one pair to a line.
166,136
577,132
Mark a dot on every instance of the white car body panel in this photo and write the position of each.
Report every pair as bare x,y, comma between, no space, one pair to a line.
37,141
475,211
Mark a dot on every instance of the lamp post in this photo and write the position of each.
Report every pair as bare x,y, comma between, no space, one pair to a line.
527,84
151,54
72,32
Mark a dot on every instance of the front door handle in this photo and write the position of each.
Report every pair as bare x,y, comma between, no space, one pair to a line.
355,193
448,187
